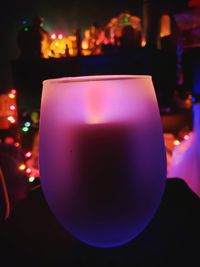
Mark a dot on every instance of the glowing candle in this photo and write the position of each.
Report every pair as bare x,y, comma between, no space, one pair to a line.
102,156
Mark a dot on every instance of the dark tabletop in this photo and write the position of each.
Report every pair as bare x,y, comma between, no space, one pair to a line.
33,237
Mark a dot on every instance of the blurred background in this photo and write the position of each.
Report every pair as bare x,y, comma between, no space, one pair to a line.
50,39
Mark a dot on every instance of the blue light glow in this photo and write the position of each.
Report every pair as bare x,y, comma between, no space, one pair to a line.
196,80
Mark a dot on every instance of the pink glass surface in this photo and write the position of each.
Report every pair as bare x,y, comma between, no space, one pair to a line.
102,156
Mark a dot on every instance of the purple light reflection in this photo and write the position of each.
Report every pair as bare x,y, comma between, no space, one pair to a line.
102,156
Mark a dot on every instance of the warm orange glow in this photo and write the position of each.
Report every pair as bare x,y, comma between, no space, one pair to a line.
176,142
143,42
95,103
45,46
11,95
116,25
17,144
58,47
72,45
53,36
11,119
165,25
8,109
85,44
22,167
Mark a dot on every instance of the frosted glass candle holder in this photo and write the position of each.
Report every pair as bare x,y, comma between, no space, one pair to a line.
102,155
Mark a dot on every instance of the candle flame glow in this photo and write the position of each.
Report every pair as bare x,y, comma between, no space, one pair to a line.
95,102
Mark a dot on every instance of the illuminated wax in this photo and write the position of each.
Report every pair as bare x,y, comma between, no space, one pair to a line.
102,156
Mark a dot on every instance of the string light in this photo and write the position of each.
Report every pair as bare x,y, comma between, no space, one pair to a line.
27,124
28,154
176,142
11,119
53,36
9,140
31,179
28,170
24,21
22,167
60,36
12,107
186,137
25,129
17,144
144,42
11,95
13,91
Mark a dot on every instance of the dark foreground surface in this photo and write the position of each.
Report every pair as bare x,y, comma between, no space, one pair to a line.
32,236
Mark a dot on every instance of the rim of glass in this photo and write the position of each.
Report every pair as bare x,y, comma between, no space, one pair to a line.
95,78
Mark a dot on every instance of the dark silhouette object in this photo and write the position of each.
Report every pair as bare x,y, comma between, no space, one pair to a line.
78,41
109,49
67,51
12,132
172,238
13,151
4,198
167,76
151,21
30,38
130,39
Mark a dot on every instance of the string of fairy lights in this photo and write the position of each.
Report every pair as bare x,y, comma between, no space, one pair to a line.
9,119
9,112
12,118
